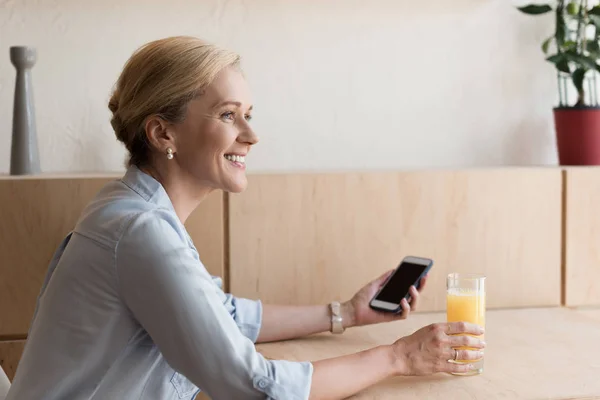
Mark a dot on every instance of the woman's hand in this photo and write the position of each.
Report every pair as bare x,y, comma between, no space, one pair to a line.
358,312
428,350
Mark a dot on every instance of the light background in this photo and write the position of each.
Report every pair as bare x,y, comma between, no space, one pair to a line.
337,84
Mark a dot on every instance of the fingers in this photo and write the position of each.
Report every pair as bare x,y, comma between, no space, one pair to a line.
405,309
423,282
453,328
414,297
460,361
467,355
466,341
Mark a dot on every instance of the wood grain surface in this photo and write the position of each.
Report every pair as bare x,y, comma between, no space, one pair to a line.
546,353
582,237
10,354
313,238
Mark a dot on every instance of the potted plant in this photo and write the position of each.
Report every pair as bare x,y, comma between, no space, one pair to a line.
574,49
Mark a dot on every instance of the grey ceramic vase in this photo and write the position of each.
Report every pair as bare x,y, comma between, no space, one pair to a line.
24,157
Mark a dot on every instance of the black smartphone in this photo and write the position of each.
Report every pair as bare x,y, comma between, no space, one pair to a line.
410,272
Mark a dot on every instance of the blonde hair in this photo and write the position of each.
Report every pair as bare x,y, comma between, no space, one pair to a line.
161,78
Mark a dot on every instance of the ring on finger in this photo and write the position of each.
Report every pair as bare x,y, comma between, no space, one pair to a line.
455,355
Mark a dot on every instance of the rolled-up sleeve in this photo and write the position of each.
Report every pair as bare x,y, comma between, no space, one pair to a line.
246,313
202,334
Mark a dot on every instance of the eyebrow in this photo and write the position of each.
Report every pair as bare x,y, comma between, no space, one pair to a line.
230,102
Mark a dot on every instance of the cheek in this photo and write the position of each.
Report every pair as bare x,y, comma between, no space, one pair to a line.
218,141
212,142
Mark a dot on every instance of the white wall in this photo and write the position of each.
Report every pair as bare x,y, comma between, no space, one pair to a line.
338,84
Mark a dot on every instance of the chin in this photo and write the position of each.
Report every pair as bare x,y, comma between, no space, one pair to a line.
236,187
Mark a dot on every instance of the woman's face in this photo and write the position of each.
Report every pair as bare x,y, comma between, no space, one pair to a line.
212,142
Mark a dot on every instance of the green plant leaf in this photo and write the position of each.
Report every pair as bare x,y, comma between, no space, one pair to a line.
569,45
581,60
594,11
578,77
546,44
561,62
594,48
534,9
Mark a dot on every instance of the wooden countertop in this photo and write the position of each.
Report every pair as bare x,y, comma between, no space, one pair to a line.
590,313
547,353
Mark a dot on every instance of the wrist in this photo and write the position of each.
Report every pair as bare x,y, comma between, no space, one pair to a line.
348,315
393,363
397,355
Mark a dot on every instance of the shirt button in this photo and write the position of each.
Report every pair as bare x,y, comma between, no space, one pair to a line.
262,384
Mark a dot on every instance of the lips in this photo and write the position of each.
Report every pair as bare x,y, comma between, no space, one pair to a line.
236,158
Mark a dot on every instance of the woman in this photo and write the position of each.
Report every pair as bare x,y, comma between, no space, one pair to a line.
128,311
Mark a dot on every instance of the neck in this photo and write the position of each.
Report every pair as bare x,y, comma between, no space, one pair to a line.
185,194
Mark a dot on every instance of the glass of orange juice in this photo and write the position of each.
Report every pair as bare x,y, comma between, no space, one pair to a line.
465,301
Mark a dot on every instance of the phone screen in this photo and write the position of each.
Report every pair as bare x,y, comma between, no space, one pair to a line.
397,286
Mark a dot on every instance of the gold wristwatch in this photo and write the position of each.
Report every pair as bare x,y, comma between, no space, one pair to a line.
337,326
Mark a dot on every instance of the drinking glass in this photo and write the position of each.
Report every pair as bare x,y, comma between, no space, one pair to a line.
465,301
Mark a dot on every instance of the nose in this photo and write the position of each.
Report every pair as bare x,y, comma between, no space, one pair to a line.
248,136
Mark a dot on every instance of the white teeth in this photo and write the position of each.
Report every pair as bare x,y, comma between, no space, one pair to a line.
240,159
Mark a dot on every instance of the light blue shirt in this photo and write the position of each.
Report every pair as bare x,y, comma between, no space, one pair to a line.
128,311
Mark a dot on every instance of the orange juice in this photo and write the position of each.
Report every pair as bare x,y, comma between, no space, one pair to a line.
466,305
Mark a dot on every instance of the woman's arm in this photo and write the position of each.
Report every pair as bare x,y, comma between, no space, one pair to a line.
166,289
342,377
290,322
425,352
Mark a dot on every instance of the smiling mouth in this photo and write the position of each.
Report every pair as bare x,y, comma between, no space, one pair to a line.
238,161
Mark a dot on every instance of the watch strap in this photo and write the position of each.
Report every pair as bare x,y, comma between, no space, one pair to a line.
337,325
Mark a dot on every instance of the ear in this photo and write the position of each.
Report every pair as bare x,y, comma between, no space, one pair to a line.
158,135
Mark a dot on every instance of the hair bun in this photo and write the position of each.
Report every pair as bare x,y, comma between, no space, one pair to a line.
113,104
119,128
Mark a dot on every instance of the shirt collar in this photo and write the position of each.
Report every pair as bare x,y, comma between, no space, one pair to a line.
147,187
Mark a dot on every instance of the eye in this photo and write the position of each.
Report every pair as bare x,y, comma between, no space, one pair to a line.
248,117
230,115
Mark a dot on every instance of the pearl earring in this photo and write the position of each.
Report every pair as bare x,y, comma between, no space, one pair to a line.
169,153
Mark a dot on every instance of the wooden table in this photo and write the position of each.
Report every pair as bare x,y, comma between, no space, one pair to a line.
590,313
547,353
